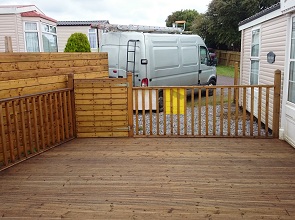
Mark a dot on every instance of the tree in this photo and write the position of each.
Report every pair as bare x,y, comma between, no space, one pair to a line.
184,15
220,23
78,42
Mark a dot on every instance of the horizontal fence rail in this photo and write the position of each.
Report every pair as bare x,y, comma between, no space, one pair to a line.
230,111
34,123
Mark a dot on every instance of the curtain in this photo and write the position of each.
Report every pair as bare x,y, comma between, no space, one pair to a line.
32,43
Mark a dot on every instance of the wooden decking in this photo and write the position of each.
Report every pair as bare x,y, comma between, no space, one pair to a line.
153,178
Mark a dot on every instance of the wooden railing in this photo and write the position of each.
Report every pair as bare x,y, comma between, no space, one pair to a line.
236,111
31,124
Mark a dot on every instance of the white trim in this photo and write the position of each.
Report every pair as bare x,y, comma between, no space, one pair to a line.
242,56
289,140
287,6
255,58
32,31
262,19
17,10
96,40
286,74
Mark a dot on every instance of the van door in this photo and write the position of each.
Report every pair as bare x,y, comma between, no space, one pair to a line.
206,69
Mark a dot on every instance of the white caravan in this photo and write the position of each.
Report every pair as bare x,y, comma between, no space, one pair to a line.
158,59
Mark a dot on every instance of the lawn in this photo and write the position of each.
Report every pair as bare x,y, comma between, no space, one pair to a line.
225,71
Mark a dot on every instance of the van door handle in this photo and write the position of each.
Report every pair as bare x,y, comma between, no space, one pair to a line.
200,71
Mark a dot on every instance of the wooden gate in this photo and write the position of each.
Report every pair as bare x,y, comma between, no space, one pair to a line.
102,107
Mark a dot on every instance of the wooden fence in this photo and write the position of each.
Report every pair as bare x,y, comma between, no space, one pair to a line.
208,111
102,107
36,100
29,73
34,123
227,58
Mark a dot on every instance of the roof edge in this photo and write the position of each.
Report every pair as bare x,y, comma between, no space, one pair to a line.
261,13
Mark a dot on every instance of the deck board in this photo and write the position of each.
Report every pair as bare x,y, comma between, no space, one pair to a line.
154,178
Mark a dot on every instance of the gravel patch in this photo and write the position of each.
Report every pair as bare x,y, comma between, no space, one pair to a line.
185,128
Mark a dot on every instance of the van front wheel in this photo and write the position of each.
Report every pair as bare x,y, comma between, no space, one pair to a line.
212,82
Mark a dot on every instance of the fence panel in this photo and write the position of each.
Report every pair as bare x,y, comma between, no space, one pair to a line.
102,107
34,123
202,111
227,58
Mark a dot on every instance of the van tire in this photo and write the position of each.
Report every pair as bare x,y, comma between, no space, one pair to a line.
212,82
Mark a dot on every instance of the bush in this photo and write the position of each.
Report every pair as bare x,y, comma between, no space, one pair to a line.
78,42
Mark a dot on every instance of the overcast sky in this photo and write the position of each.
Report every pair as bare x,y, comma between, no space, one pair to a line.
140,12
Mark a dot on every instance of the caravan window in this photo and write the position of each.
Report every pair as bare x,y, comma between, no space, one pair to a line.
204,55
255,53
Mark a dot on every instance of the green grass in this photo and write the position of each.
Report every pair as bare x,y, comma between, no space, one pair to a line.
225,71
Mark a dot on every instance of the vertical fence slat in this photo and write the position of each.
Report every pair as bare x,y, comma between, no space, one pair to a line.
35,125
171,111
200,111
9,131
221,111
252,111
151,111
61,112
41,121
29,124
130,104
266,111
229,112
185,113
237,111
16,128
53,138
244,110
214,112
136,112
178,111
47,119
157,112
3,136
70,104
207,111
164,115
66,117
143,111
193,111
57,118
23,126
259,110
276,104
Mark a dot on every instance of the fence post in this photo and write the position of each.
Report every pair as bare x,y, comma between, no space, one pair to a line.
8,44
228,55
236,77
276,104
71,86
130,104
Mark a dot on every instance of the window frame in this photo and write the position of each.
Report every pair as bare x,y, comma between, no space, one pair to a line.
96,40
254,58
291,58
50,33
207,55
32,31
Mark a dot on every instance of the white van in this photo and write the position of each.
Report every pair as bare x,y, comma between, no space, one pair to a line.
158,59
